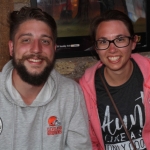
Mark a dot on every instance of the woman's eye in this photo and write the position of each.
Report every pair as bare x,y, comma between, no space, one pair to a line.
120,39
102,41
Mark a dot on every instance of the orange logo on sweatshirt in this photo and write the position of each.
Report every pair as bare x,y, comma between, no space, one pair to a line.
54,126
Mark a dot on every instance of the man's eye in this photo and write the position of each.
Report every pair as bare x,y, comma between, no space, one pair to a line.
46,42
25,40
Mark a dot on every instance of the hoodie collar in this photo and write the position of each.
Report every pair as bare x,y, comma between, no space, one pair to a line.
45,95
88,79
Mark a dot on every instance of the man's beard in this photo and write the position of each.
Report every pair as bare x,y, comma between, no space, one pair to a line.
33,79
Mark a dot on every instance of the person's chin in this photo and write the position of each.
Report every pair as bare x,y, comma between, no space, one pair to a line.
37,72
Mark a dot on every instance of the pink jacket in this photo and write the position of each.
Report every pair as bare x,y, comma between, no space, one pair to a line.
88,86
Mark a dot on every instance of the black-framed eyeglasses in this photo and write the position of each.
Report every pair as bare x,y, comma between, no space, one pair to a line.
120,42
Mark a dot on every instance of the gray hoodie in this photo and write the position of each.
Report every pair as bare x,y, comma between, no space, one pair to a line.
56,120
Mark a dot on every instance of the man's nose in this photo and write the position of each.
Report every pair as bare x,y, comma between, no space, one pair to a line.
36,47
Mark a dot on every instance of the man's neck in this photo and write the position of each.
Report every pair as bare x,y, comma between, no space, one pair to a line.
27,91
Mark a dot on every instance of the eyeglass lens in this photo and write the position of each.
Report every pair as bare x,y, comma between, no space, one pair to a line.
118,42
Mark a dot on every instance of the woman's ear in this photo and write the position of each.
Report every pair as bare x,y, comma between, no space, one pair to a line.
10,44
137,38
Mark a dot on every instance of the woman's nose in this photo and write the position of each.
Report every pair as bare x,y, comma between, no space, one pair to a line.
112,48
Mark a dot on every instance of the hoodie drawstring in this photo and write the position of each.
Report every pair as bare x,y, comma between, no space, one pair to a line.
42,127
13,126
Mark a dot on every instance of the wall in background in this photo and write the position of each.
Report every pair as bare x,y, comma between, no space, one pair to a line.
5,7
70,67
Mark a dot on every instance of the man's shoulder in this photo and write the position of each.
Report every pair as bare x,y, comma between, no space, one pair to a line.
66,87
61,79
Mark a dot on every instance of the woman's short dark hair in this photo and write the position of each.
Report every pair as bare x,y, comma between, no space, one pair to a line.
108,16
27,13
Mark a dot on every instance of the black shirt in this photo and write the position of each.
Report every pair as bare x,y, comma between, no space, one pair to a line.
128,99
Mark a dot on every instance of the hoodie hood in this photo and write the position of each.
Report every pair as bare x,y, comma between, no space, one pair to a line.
46,94
143,63
88,82
88,87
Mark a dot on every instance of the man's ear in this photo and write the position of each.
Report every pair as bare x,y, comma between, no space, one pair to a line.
10,44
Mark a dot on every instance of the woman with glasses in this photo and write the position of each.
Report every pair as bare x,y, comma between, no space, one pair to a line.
127,78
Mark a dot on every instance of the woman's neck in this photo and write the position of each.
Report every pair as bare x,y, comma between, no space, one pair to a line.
119,77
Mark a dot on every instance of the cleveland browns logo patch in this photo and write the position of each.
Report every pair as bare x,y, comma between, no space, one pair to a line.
54,126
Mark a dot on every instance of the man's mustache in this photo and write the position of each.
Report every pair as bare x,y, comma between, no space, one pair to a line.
33,56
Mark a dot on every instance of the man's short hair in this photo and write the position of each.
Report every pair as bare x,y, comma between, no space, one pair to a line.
27,13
